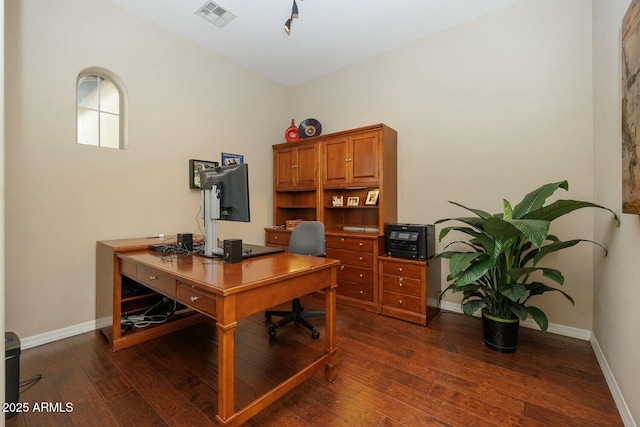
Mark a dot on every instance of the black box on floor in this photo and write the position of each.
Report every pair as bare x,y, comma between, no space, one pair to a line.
232,250
12,373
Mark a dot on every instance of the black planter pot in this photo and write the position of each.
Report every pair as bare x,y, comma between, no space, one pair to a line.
500,335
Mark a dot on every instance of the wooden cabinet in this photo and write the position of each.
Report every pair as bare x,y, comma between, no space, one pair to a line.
355,163
296,167
112,303
352,159
348,165
409,289
357,276
295,181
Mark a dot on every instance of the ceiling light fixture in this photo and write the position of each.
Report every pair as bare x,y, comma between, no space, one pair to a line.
294,15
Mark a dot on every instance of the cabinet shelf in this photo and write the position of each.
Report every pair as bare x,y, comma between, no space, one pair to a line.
352,207
310,174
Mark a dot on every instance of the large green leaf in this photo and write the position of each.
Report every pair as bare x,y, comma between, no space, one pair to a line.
466,230
535,230
519,310
539,316
500,229
537,288
508,211
469,220
514,291
474,272
471,306
459,261
563,207
556,246
535,199
549,273
481,214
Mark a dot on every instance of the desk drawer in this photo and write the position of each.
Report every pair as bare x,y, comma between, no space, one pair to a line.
194,298
401,301
277,238
156,281
401,285
355,274
349,243
355,290
357,259
399,268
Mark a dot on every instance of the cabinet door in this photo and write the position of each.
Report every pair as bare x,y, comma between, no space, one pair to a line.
335,161
363,158
306,166
284,161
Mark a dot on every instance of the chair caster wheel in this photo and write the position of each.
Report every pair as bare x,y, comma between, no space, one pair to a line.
272,333
315,334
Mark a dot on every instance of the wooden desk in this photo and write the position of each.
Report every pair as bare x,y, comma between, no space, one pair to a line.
227,292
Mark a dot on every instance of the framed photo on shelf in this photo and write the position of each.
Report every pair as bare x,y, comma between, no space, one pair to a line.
232,159
337,200
372,197
353,201
197,166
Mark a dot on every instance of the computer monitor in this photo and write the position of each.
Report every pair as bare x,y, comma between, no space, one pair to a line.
224,195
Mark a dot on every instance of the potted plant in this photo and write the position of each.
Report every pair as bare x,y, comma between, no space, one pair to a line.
498,268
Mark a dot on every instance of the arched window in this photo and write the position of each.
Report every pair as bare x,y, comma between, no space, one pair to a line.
100,101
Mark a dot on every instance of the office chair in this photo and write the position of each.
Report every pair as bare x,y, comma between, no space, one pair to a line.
307,238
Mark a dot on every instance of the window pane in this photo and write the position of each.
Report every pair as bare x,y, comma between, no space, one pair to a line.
87,127
88,92
109,97
109,130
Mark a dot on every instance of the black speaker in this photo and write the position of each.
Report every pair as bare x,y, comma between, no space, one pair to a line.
232,250
12,373
185,241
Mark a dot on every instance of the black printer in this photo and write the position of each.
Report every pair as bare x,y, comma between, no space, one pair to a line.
412,241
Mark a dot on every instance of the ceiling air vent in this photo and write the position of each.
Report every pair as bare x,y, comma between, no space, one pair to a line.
215,13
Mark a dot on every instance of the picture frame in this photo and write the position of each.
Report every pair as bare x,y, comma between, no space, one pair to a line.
197,166
372,197
232,159
353,201
337,201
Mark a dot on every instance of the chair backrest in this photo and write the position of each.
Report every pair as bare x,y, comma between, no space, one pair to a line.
307,238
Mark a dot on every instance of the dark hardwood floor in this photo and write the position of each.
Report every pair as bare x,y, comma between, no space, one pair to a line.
391,373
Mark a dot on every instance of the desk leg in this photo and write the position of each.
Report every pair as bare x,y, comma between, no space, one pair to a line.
330,369
226,325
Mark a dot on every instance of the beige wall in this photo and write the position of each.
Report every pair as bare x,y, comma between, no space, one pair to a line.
508,101
486,110
184,102
616,314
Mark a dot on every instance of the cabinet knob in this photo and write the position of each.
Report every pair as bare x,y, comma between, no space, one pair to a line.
400,302
361,292
400,269
341,267
360,258
360,244
275,237
361,275
193,299
153,277
400,284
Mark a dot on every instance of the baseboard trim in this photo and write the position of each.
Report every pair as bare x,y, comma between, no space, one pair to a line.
48,337
553,328
621,404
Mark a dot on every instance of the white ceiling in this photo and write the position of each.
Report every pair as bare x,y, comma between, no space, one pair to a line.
328,35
